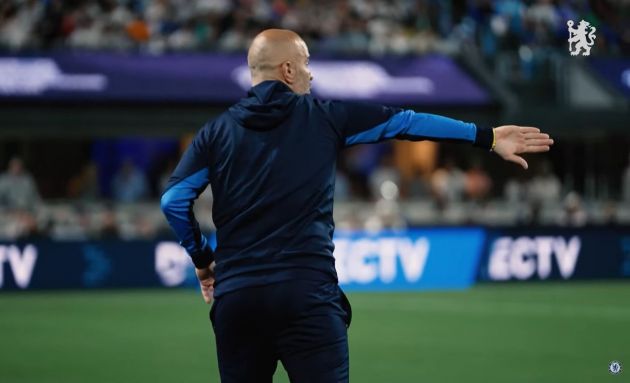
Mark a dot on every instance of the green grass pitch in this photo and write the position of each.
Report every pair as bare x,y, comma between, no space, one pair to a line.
551,332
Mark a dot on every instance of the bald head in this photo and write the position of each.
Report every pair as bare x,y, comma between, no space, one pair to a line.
282,55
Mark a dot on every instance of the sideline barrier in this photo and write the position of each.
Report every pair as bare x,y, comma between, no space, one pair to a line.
77,265
414,259
536,254
394,260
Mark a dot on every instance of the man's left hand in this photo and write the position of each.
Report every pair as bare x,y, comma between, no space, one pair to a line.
512,140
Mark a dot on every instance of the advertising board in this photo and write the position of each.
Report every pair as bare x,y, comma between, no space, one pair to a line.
225,78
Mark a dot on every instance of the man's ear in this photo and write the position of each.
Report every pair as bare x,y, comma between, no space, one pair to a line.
288,72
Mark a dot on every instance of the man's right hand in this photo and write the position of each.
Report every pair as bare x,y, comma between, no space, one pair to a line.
206,281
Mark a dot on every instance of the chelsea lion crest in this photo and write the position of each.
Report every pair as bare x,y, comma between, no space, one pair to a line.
582,38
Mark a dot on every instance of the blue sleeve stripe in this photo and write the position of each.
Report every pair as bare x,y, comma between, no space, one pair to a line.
416,126
177,203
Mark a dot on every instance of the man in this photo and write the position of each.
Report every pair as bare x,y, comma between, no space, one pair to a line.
18,189
270,160
129,183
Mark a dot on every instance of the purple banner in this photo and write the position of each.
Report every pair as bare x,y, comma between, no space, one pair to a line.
214,78
615,71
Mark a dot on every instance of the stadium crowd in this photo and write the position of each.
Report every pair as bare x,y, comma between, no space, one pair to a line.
446,195
345,26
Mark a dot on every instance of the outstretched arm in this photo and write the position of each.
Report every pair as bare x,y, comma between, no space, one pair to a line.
362,123
366,123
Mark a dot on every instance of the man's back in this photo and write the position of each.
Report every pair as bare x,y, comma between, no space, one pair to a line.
270,160
273,185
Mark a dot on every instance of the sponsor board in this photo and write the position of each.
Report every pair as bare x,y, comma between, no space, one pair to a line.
401,260
104,77
394,260
615,71
415,259
552,254
19,263
45,264
444,258
525,257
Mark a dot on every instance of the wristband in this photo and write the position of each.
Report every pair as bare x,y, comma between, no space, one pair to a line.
203,258
484,138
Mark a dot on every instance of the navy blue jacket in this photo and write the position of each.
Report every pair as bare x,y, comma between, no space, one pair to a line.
271,161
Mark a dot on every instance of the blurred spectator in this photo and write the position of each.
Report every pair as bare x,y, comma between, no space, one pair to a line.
145,228
477,184
30,229
545,186
84,186
129,183
109,227
17,187
383,178
138,30
22,225
418,187
609,214
515,193
71,224
573,213
543,19
515,190
387,215
17,22
448,183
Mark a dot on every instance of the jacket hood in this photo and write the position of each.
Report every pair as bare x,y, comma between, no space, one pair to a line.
266,106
